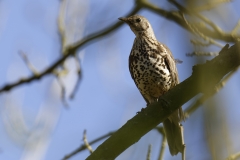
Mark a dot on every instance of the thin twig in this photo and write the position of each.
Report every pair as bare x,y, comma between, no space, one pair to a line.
79,77
198,43
201,54
177,18
183,145
195,29
27,62
71,50
83,147
192,12
225,79
210,5
163,147
163,144
61,18
197,32
63,90
178,61
235,29
149,152
86,142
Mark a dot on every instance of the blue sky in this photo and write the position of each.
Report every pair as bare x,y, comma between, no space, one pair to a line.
34,121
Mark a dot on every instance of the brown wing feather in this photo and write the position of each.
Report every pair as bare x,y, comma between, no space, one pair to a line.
171,124
170,62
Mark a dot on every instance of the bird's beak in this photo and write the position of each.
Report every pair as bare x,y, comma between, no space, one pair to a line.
123,19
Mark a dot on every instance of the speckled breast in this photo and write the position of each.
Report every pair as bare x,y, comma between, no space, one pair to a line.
148,69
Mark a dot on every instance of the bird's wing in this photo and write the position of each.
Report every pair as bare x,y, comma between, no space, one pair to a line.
171,65
170,62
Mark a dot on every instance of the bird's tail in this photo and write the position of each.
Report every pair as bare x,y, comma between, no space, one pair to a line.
174,133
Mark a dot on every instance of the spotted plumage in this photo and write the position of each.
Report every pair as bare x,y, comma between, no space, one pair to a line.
154,72
147,66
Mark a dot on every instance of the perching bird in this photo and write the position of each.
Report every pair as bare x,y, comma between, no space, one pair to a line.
154,72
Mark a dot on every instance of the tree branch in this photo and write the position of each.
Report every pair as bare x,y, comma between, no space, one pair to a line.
140,4
203,80
149,152
86,142
71,50
176,17
83,147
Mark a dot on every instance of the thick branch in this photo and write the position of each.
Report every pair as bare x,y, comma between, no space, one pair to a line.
203,80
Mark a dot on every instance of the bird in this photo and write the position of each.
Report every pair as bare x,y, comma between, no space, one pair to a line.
153,69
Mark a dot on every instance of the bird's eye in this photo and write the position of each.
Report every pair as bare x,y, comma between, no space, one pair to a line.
138,20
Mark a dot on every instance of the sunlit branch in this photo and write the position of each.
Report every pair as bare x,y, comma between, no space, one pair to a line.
235,29
88,146
194,13
27,62
176,17
210,5
61,18
149,152
202,54
197,32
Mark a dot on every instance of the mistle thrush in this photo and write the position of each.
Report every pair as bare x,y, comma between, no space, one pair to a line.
154,72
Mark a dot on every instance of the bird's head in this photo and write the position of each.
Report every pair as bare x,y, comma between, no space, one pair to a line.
139,25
